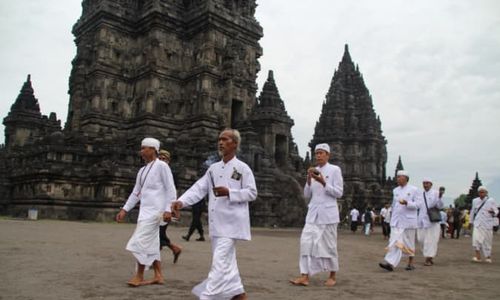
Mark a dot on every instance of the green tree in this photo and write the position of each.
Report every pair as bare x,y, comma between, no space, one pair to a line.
460,201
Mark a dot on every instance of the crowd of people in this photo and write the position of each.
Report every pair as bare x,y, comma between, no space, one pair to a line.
229,184
419,215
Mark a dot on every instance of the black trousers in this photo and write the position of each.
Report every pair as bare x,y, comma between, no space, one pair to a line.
386,228
164,240
456,228
196,222
354,226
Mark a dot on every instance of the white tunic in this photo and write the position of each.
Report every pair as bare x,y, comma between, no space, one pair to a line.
404,216
433,200
354,215
154,187
387,215
323,207
483,217
228,216
384,212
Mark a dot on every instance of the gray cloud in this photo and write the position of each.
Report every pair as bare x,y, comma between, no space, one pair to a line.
432,68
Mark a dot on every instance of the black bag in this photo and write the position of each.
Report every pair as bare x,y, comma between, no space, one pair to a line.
433,212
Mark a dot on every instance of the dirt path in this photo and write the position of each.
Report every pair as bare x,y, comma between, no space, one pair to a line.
74,260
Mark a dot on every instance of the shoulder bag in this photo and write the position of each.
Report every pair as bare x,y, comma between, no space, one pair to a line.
433,212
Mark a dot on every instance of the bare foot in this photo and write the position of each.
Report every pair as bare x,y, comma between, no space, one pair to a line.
136,281
303,281
158,280
240,297
330,282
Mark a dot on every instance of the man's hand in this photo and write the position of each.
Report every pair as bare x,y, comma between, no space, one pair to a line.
403,202
167,216
121,215
176,209
318,177
221,191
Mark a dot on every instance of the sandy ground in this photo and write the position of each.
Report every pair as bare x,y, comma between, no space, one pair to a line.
47,259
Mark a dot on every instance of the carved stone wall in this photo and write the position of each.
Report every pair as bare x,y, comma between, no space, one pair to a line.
177,70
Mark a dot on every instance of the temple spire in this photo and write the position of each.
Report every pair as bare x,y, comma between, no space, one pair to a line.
26,99
270,96
476,183
347,56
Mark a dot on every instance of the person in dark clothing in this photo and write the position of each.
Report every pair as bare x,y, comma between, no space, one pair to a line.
458,218
164,155
196,211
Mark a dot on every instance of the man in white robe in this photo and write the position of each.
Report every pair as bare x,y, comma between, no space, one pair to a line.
155,189
483,214
230,186
318,242
403,224
428,232
354,219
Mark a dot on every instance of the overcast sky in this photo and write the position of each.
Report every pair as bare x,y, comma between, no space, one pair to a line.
432,67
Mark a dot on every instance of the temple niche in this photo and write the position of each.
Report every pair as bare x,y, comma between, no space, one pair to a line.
180,71
348,123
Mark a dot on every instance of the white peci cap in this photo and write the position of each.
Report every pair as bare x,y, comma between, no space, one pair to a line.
427,179
403,173
324,147
151,142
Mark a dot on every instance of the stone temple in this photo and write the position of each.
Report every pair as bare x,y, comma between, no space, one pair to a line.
180,71
348,123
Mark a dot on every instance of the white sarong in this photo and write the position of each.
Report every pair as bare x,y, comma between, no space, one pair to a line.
318,249
223,281
429,239
401,242
144,243
482,240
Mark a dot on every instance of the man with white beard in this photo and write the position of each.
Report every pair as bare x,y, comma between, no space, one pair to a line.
428,231
403,224
483,212
230,186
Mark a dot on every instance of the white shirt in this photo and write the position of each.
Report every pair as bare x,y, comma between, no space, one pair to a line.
383,212
404,216
227,216
444,217
323,207
354,215
433,200
387,217
154,187
484,218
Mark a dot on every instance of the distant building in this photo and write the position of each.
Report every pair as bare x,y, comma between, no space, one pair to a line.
473,193
348,123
